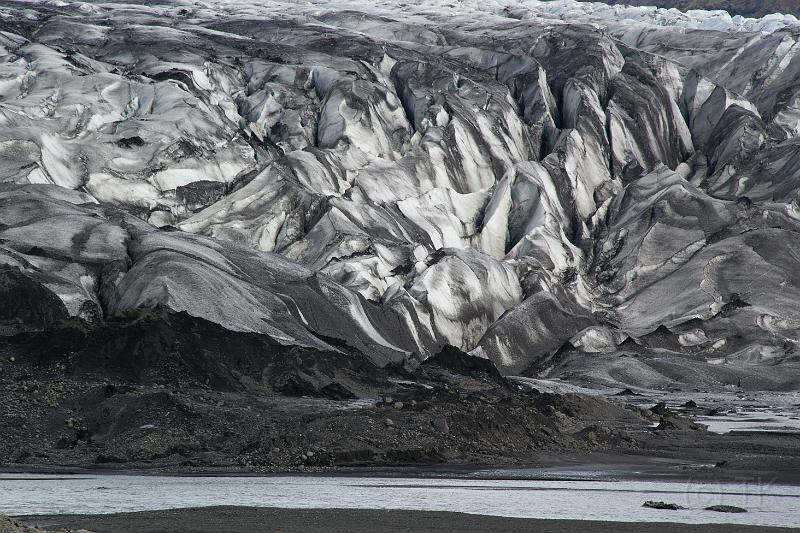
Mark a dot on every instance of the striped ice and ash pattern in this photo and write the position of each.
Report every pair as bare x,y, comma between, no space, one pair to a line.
600,193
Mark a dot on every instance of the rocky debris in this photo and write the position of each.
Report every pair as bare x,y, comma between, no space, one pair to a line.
726,509
199,194
10,525
440,424
661,409
140,391
459,368
455,360
663,506
161,347
628,392
670,420
674,422
171,408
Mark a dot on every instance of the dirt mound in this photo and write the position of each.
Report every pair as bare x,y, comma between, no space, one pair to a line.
164,347
27,302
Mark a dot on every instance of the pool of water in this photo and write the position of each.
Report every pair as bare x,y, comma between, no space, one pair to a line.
765,411
768,504
757,411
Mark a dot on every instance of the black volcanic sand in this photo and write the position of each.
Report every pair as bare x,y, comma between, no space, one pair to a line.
268,520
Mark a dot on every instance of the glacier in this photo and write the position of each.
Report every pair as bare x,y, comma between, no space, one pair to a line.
605,194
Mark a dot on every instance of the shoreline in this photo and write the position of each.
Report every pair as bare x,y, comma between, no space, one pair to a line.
256,519
550,467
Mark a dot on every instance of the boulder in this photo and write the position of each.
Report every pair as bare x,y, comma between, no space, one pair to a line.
662,506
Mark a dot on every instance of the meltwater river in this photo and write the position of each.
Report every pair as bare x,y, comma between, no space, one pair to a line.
768,504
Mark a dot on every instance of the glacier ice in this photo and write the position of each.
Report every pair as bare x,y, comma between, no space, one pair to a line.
544,184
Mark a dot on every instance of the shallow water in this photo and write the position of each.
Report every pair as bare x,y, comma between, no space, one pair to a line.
754,411
769,505
764,411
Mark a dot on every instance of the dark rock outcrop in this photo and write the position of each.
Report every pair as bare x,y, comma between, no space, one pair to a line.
663,506
726,509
